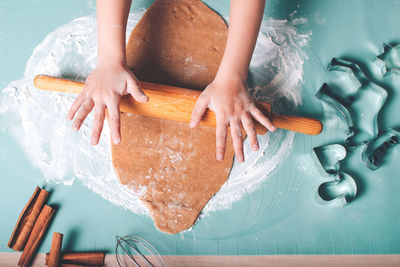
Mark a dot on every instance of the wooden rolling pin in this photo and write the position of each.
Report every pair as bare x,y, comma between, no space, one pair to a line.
175,103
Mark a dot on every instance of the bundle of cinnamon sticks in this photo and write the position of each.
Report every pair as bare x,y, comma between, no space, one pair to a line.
30,230
31,226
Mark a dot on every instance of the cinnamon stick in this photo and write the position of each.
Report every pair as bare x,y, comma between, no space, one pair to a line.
36,235
55,250
80,258
27,220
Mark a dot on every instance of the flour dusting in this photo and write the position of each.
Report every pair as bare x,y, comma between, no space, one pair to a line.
63,155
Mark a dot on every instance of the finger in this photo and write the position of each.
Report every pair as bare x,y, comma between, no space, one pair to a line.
220,135
114,119
257,114
98,121
248,126
75,106
85,109
198,111
237,140
135,89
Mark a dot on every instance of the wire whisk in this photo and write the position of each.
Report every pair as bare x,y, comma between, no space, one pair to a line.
128,245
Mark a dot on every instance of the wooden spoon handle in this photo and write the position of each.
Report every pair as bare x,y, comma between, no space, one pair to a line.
175,103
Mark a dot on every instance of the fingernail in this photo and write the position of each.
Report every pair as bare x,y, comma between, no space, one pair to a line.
255,147
145,97
75,127
116,140
273,128
93,141
191,124
220,156
240,159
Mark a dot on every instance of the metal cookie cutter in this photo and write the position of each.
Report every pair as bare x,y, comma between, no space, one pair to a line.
337,188
358,102
375,150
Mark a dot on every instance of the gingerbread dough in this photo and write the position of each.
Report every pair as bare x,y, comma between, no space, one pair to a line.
178,43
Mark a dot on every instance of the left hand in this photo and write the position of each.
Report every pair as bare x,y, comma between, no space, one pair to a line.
234,108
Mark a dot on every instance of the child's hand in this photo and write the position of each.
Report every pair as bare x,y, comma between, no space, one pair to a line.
227,95
233,107
103,89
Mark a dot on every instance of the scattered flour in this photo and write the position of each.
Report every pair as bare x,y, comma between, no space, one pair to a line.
63,155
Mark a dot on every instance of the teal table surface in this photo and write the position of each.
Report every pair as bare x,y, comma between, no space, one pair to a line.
286,214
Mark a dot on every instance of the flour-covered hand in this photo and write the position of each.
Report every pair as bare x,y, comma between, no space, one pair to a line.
103,89
234,108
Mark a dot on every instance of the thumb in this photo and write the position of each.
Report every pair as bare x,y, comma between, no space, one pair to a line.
135,89
199,110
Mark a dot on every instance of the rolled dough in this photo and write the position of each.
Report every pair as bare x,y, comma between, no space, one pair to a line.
174,167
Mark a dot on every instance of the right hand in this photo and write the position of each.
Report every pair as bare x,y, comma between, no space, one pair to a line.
103,89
